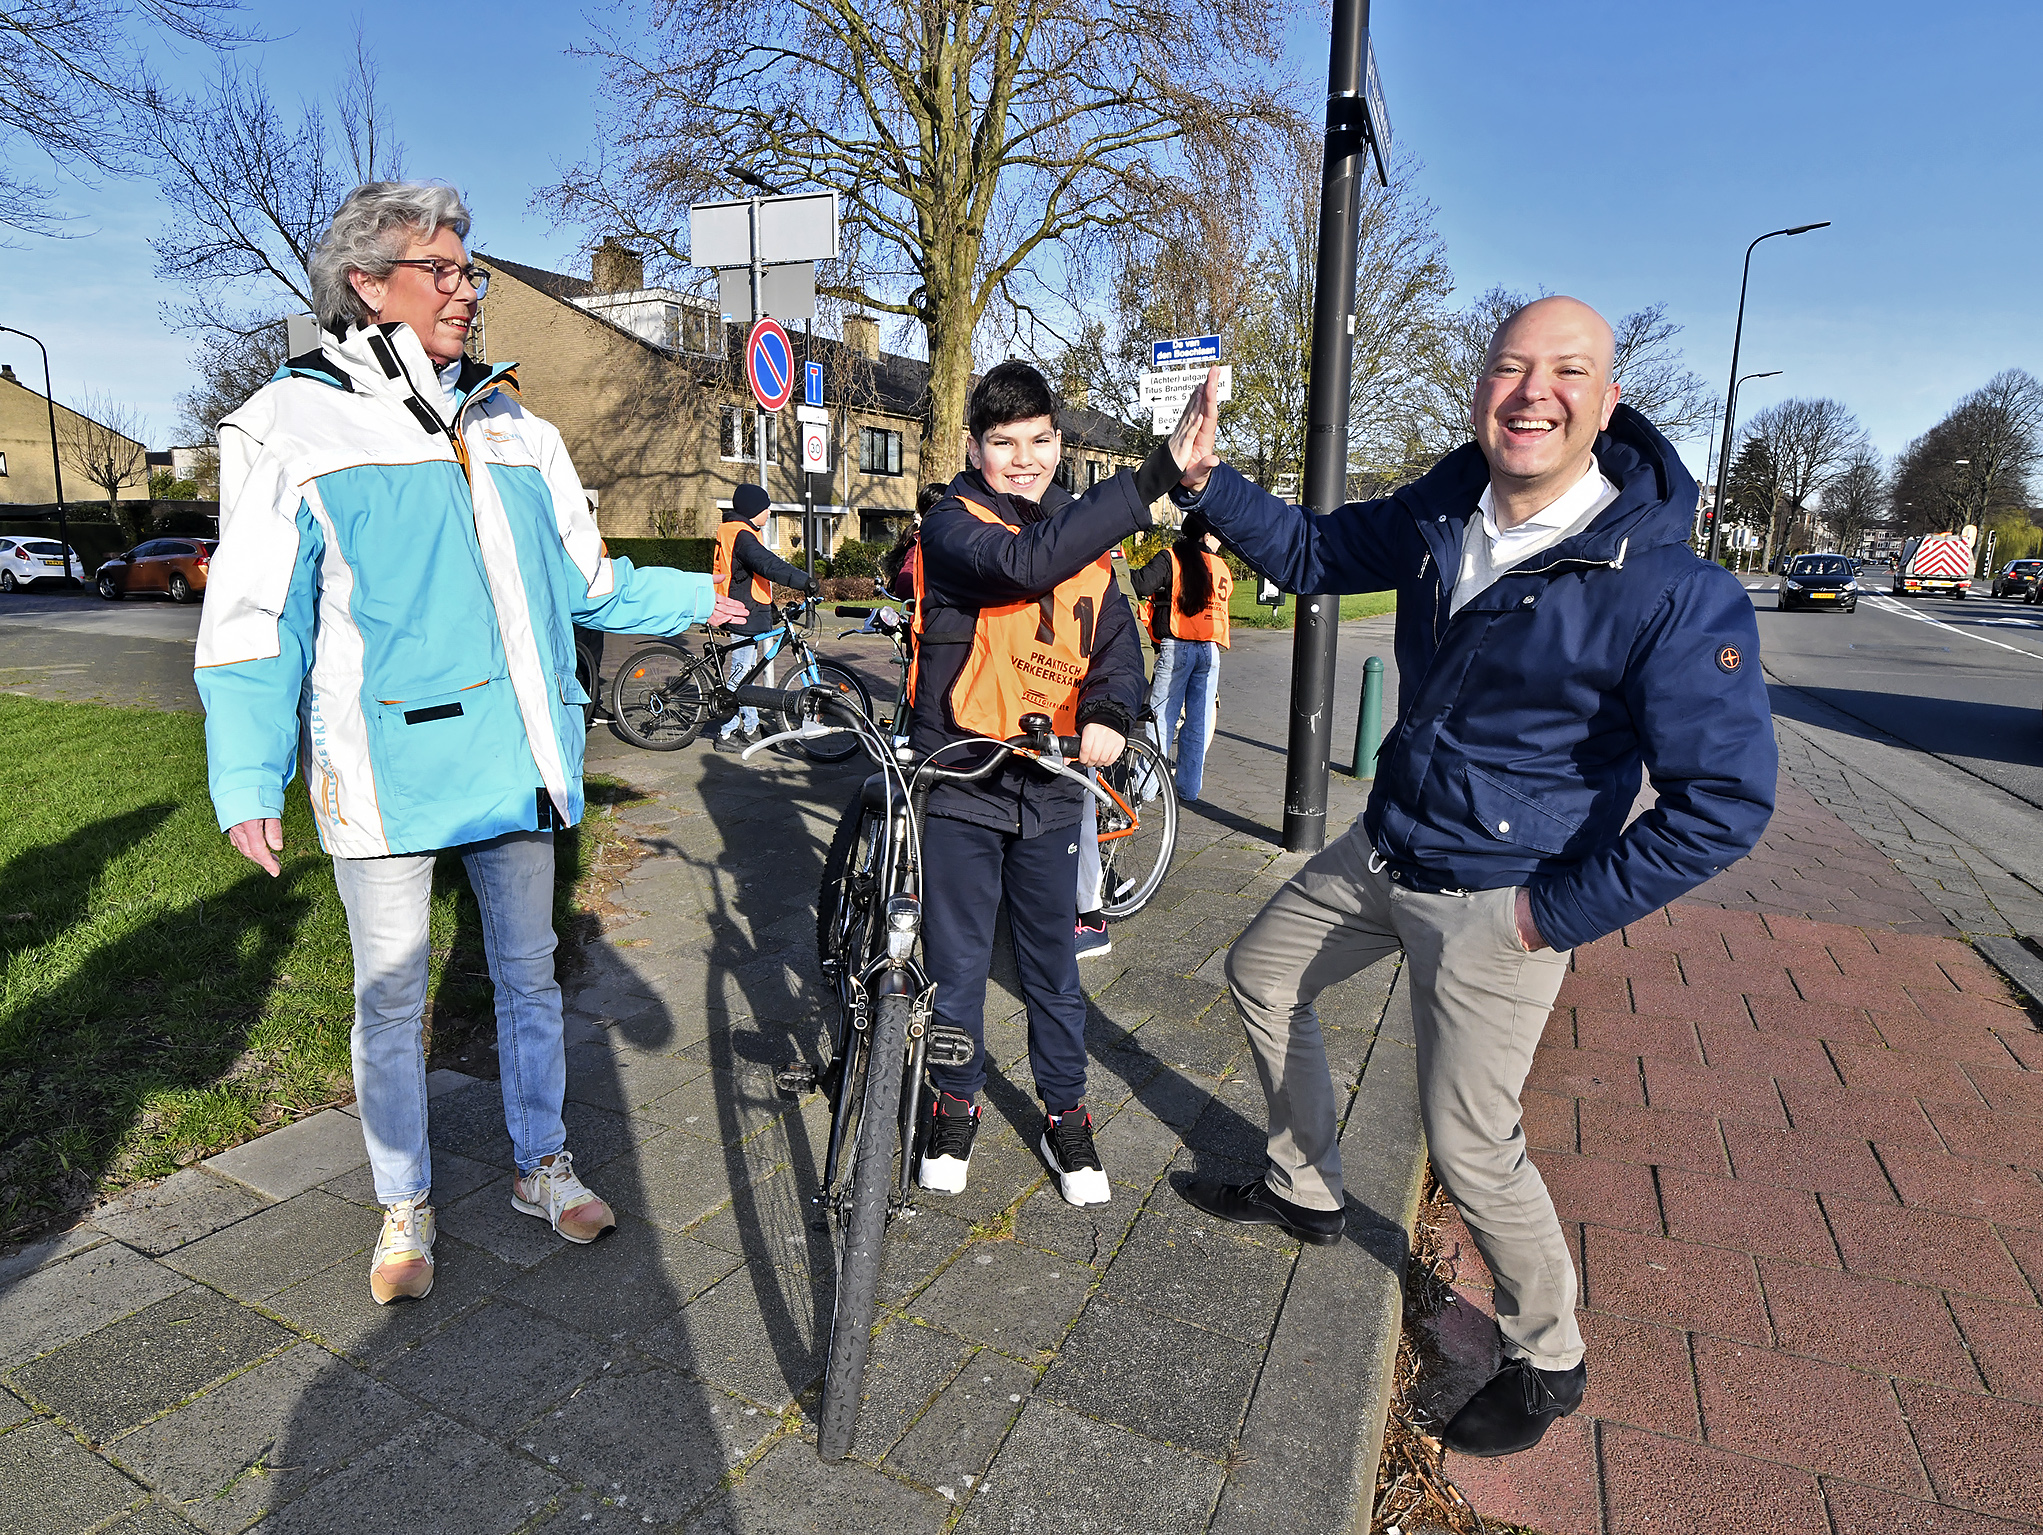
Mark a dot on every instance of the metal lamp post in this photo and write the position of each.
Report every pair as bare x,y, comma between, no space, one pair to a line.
1737,339
1730,425
56,459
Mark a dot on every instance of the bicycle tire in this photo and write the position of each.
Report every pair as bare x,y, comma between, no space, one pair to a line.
830,748
1134,859
588,672
844,901
864,1228
659,698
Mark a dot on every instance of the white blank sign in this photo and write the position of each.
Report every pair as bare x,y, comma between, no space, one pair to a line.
802,228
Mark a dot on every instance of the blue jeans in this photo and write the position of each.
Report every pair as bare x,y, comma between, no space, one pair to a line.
1187,675
735,664
387,901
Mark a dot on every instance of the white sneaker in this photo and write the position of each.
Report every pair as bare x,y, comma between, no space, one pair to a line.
553,1193
947,1160
403,1266
1067,1146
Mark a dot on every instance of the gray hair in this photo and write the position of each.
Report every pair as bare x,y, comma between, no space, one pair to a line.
374,228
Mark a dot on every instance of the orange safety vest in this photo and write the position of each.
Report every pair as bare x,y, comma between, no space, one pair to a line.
1209,625
721,562
1027,657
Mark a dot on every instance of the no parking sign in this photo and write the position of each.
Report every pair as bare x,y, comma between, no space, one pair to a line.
769,364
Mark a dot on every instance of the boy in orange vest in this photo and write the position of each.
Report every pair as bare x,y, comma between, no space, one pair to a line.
1019,613
745,570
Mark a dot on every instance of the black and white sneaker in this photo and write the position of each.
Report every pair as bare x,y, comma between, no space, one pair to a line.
947,1159
1067,1146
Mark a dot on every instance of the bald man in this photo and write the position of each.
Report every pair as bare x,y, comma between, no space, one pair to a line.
1555,636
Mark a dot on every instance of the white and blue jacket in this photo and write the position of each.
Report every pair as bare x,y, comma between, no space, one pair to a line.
393,601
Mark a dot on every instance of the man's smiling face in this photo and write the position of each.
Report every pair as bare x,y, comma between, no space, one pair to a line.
1544,395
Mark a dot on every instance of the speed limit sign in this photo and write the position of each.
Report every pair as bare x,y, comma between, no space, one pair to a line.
816,446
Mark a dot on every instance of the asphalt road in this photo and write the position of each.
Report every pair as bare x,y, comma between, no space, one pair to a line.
84,649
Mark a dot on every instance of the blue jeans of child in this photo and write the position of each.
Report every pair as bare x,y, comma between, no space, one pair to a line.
387,901
735,664
1187,673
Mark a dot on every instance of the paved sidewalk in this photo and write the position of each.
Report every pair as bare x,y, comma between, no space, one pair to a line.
204,1353
1794,1128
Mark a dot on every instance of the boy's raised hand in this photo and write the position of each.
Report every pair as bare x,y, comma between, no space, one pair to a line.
1191,442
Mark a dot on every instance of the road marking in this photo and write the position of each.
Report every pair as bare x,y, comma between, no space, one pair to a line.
1889,605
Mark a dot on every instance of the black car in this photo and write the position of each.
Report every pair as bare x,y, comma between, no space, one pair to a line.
1819,581
2017,578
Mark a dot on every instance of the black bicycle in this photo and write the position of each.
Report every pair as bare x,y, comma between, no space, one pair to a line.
868,926
663,694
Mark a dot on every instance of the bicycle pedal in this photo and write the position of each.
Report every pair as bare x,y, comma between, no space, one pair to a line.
796,1080
949,1046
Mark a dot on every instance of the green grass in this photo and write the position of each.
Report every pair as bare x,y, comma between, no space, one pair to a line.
1242,608
162,998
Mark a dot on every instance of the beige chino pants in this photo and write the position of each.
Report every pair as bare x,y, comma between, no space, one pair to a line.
1479,1005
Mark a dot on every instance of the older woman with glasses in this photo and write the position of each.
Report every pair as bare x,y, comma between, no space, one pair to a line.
404,552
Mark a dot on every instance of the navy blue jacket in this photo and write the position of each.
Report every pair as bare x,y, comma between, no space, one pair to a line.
750,557
1523,720
968,564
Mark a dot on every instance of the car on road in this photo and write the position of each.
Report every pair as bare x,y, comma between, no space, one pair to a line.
1818,581
1935,563
25,561
176,566
2017,578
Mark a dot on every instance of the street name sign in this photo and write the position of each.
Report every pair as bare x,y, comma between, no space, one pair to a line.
1379,114
1183,351
769,365
812,413
1165,393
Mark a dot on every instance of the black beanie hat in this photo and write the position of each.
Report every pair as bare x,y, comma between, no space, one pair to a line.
748,501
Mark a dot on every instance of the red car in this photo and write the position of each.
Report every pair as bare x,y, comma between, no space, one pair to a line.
173,565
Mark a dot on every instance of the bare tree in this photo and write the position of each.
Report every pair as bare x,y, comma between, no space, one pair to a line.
72,70
980,150
103,441
1976,465
1809,443
231,367
1855,502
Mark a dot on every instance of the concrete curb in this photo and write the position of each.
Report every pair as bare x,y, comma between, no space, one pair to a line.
1314,1434
2011,957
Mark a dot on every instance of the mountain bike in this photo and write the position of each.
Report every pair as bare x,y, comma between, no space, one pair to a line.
868,926
662,695
1137,817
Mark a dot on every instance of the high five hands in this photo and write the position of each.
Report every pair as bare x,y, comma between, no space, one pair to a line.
1191,442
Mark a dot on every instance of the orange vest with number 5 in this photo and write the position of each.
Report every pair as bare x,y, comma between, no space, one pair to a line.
1026,657
1209,625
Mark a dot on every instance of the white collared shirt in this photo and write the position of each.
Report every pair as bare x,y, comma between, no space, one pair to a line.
1488,551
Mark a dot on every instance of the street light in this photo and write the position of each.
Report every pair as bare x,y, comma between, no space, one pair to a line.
1737,339
1731,415
56,460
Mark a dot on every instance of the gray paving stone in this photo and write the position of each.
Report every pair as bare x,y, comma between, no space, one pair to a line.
50,1484
1154,1374
450,1479
496,1365
675,1180
439,1083
791,1492
594,1136
127,1373
154,1517
280,1245
1088,1233
488,1220
907,1368
653,1442
916,1247
1192,1267
772,1221
1003,1170
722,1106
1177,1098
66,1300
18,1263
1130,1483
1135,1146
296,1158
335,1306
245,1449
1233,1124
1192,1044
163,1216
624,1081
13,1410
761,1333
1008,1296
624,1285
454,1177
952,1443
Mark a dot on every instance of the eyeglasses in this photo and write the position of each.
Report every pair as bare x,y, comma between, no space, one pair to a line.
448,277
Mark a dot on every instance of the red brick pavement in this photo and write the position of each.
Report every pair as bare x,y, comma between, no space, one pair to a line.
1796,1140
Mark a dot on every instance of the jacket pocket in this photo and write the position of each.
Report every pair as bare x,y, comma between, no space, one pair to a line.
570,688
444,747
1510,816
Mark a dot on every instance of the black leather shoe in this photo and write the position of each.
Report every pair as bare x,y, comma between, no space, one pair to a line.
1512,1411
1252,1204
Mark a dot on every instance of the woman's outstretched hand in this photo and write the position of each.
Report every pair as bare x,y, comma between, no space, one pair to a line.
259,842
1191,443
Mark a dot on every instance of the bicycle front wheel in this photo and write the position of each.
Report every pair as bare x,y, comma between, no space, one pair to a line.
660,698
862,1224
1138,832
825,674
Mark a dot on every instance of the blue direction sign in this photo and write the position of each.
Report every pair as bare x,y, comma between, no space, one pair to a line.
1185,351
812,383
769,365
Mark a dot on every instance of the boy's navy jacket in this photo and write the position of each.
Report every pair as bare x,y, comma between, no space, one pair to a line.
1524,719
968,564
750,557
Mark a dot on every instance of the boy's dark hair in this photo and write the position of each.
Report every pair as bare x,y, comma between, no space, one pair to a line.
1014,391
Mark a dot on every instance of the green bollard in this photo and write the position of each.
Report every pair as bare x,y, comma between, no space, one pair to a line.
1369,726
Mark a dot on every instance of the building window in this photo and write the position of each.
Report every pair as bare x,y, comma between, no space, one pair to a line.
1064,474
700,331
741,435
1095,471
879,451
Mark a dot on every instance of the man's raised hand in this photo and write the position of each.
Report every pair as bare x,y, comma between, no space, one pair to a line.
1191,442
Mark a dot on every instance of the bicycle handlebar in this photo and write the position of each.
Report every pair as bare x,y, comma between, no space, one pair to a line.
848,612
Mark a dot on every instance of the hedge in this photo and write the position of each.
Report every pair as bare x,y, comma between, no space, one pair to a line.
674,553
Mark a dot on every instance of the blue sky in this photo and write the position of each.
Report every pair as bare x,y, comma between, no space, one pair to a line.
1623,152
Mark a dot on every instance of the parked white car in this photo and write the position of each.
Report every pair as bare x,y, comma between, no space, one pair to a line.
25,561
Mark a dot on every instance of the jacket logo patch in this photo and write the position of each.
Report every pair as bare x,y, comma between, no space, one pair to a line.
1728,658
